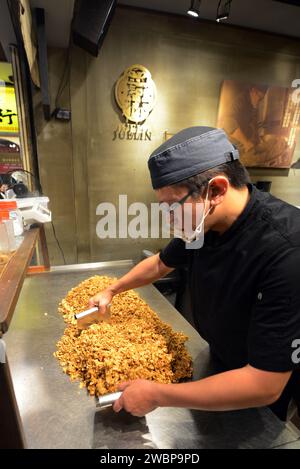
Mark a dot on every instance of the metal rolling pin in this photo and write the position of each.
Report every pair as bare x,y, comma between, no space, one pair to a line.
108,399
91,316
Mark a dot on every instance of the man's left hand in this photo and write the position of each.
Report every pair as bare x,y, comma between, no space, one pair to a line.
139,397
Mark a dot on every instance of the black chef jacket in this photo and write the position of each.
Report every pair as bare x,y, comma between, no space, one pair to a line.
245,285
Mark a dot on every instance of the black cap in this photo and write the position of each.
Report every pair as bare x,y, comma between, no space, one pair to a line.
189,152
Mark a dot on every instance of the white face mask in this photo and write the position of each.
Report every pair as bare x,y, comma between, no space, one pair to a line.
194,238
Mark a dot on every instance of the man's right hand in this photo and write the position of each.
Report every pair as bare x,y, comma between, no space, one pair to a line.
101,300
145,272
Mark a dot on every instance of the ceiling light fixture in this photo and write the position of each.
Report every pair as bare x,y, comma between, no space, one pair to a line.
194,9
223,10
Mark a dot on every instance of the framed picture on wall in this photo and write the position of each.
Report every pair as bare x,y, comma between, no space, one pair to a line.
262,121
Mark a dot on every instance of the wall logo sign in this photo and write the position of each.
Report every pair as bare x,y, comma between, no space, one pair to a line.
135,94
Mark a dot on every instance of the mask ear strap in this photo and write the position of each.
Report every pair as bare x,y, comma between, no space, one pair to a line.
199,227
205,202
206,198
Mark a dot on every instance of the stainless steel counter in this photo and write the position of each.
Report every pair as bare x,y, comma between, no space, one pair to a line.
55,413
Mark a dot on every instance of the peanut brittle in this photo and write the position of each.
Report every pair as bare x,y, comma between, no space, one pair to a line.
134,344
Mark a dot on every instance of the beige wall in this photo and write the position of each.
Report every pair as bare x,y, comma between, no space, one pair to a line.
80,164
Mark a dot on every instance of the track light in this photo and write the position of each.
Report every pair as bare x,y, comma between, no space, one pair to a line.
194,9
223,10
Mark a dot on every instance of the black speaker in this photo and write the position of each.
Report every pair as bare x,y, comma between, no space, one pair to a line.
91,22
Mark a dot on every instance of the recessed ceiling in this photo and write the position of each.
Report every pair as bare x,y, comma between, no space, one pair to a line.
266,15
275,16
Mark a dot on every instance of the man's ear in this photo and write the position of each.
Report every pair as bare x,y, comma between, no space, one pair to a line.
218,189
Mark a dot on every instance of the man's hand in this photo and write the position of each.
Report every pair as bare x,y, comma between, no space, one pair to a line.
101,300
139,397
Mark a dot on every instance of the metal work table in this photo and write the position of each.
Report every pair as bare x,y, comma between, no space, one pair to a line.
55,413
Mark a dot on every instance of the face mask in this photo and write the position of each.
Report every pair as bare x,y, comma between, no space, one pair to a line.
193,238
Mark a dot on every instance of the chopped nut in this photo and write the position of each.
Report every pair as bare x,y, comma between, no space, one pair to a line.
135,343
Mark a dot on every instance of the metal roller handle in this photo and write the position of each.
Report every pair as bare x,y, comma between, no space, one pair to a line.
108,399
87,312
91,316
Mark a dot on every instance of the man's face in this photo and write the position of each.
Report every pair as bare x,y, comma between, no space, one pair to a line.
3,187
174,195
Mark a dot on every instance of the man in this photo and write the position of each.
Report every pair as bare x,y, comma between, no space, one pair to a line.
3,189
241,120
243,279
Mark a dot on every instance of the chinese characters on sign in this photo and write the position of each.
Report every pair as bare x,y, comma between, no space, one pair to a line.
10,154
135,94
10,157
8,111
9,114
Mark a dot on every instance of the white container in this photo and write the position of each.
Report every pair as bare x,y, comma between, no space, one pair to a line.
9,224
16,216
4,241
34,209
7,237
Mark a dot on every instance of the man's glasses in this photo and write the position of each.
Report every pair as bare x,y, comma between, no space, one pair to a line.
169,208
181,201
